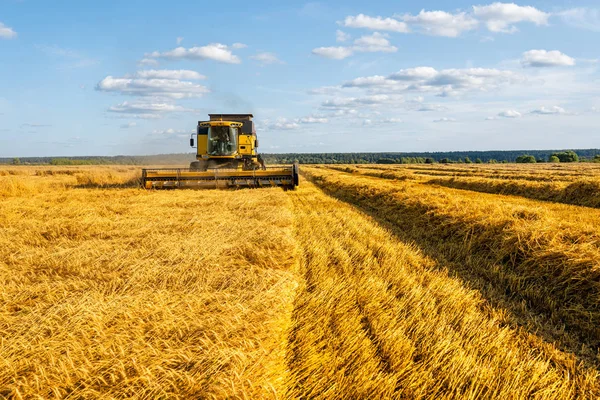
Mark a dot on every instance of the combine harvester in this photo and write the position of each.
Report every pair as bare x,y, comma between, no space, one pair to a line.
226,157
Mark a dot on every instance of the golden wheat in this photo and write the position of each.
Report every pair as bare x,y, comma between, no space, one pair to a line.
111,291
128,293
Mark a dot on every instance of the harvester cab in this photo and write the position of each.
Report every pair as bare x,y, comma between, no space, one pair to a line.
226,156
226,141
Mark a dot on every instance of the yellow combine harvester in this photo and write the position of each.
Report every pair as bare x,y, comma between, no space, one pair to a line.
226,156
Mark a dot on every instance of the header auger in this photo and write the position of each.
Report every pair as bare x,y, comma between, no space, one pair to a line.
226,156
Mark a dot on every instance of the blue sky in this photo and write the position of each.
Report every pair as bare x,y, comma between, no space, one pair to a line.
134,77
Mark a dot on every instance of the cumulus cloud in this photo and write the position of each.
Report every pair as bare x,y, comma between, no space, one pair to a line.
7,32
442,83
281,124
146,109
172,131
266,58
444,119
334,53
375,23
441,23
145,84
543,58
214,51
170,74
509,114
502,17
341,36
340,103
376,42
312,120
554,110
148,61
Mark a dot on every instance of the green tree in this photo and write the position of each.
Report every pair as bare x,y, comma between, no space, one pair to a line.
468,160
478,161
16,161
597,158
526,159
567,156
553,159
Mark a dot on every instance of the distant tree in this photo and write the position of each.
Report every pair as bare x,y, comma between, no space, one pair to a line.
526,159
478,161
430,160
553,159
468,160
386,161
492,161
16,161
445,161
597,158
567,156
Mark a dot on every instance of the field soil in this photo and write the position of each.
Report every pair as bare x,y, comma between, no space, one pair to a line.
418,281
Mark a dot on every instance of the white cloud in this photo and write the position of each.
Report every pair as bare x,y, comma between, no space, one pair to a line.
148,61
238,46
281,124
214,51
582,18
267,58
501,17
312,120
375,23
341,36
510,114
146,110
441,23
554,110
414,74
543,58
341,103
375,42
442,83
171,131
444,119
7,32
391,120
334,53
128,125
179,40
170,88
170,74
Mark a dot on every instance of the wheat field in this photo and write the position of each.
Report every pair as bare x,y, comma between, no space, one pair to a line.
367,282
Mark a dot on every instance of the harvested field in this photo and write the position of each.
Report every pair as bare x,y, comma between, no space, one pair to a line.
366,282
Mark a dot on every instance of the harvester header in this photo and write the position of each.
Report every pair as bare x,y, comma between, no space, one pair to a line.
226,156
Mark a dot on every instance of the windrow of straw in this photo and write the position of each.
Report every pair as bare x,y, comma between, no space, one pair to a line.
541,258
135,294
581,192
374,318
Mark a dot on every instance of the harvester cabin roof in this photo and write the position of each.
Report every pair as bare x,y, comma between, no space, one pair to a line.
230,117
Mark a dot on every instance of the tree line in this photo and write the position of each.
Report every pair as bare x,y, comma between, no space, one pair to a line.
468,157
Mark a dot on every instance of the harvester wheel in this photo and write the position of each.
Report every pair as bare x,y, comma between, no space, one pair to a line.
296,173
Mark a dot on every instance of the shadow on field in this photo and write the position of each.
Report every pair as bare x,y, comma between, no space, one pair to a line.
466,266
